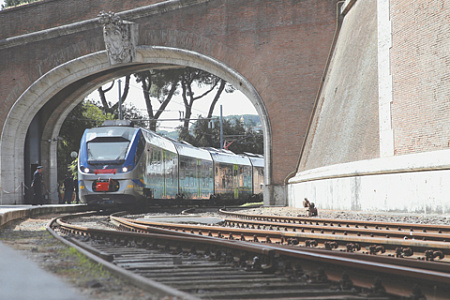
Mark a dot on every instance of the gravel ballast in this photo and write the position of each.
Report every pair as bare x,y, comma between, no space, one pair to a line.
32,240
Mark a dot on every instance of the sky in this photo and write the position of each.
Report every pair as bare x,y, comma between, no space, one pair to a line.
232,104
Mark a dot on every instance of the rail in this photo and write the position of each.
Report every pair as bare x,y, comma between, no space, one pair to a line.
432,276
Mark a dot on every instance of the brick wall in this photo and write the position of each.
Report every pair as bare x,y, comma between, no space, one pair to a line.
46,14
420,64
280,46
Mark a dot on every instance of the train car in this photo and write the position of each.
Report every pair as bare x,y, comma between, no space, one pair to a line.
110,165
122,164
160,161
196,180
232,175
257,162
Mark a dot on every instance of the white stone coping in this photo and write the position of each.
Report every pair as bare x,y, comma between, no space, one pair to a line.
346,6
419,162
67,29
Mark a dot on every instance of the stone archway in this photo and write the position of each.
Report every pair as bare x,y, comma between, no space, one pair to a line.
76,79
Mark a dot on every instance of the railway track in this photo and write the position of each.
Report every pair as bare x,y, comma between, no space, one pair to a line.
265,266
330,237
205,268
412,230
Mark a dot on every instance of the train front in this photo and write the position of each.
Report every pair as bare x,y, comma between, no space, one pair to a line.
108,165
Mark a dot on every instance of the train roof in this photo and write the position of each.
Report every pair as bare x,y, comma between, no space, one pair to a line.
253,155
256,159
188,150
228,157
124,132
159,141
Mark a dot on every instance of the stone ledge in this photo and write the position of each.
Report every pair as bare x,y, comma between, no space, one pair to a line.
348,4
10,213
430,161
68,29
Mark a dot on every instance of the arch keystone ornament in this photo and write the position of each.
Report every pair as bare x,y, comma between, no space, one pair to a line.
121,38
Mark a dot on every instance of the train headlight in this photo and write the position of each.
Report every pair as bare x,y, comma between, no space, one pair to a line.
86,170
124,169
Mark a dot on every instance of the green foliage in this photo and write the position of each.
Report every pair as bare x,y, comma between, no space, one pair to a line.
11,3
85,115
73,167
238,137
252,204
164,84
160,82
93,115
84,265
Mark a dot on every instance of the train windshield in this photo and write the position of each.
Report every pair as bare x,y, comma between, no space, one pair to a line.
111,150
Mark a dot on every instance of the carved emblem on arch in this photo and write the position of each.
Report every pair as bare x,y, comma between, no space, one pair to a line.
121,38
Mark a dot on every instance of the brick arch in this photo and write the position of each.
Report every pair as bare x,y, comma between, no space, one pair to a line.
77,78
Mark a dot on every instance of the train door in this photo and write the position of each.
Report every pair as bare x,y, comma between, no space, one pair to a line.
170,174
154,173
205,180
236,181
164,160
198,179
258,180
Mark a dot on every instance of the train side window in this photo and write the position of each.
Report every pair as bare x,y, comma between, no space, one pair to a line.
182,171
139,150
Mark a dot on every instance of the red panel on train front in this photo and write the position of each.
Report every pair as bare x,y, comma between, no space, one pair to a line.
102,186
105,171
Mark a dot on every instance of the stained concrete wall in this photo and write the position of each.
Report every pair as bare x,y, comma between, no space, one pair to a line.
345,124
379,139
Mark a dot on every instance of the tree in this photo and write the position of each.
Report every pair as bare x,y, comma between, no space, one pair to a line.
237,137
107,107
187,79
217,96
160,84
11,3
202,79
163,84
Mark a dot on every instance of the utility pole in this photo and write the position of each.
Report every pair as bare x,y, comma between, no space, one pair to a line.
221,129
120,102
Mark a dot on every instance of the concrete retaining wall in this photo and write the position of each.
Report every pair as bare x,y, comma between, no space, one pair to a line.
379,139
416,183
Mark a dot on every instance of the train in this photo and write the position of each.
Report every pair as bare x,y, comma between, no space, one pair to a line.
121,164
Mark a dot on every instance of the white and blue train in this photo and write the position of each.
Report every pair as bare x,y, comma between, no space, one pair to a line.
122,164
